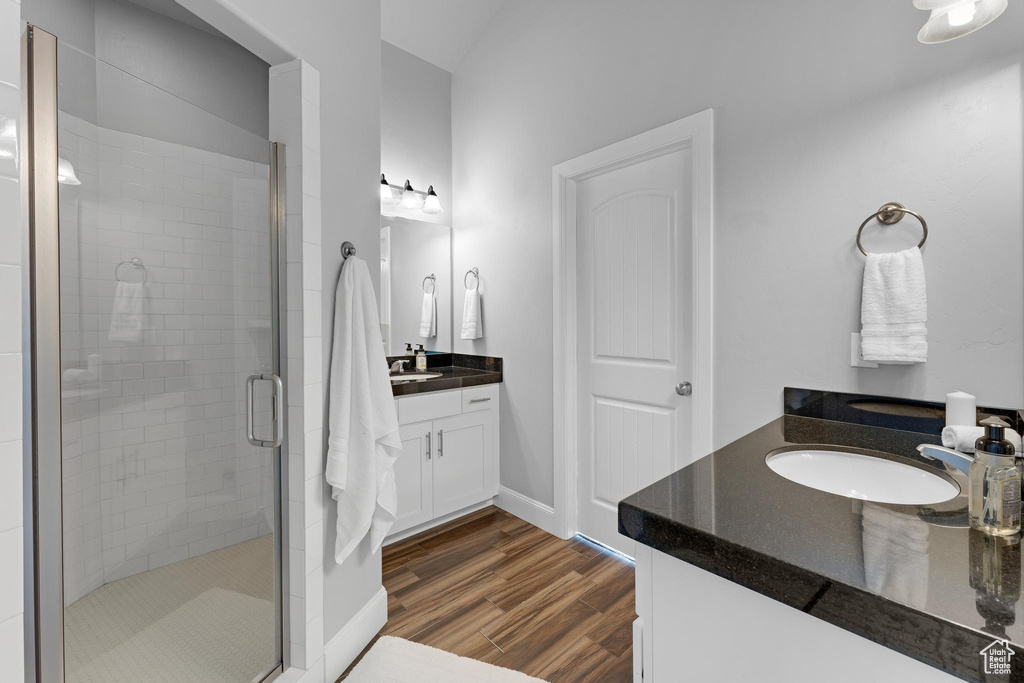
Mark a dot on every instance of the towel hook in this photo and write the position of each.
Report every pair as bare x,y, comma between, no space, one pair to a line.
433,282
890,214
347,249
475,272
134,262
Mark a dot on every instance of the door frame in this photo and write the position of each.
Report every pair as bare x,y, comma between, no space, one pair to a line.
696,133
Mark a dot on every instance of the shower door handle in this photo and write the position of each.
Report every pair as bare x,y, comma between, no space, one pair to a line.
278,410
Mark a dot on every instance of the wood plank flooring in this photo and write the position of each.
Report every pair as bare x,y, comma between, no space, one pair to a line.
495,588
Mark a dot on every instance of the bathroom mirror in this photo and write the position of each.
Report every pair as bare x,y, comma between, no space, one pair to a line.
415,276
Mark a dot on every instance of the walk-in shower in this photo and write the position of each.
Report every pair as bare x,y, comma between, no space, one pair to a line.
156,236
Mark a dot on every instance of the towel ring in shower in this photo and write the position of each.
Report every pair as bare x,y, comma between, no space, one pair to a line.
347,249
890,214
475,272
134,262
433,282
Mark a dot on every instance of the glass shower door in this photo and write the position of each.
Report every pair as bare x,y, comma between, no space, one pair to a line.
170,401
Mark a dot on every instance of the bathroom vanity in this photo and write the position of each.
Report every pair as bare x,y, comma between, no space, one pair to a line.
761,578
449,427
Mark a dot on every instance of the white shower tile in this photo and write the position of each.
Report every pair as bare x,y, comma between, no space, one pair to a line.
10,309
11,574
10,473
10,398
310,83
311,313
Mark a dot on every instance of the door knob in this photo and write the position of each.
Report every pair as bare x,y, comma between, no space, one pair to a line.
684,388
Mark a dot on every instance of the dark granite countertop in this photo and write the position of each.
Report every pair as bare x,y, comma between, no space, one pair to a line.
939,597
458,371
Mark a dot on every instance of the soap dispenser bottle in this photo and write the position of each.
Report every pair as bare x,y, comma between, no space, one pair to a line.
421,358
995,484
408,349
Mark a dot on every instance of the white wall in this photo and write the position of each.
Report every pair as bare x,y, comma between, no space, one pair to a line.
823,111
12,632
416,128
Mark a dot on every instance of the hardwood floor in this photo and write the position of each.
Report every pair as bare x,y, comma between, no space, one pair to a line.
492,587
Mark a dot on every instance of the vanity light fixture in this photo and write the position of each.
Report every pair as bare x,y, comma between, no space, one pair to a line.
955,18
432,204
410,199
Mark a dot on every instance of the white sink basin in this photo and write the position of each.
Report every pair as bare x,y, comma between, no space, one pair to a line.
414,377
861,476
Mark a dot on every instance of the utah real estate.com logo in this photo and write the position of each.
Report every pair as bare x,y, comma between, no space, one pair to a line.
997,657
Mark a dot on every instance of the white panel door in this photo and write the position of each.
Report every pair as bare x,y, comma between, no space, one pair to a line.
463,464
413,477
634,338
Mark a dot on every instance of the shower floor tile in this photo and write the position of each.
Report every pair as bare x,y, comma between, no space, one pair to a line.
209,618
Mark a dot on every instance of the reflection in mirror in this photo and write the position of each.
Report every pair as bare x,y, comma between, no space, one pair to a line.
416,285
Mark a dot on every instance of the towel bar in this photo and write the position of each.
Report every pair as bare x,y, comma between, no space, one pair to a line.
890,214
433,282
475,272
134,262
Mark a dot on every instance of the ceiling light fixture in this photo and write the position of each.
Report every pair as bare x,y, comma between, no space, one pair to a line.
952,19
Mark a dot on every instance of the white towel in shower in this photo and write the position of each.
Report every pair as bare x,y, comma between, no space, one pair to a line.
428,315
128,313
471,323
363,441
894,309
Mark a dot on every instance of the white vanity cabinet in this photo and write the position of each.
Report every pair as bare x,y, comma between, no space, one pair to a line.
449,458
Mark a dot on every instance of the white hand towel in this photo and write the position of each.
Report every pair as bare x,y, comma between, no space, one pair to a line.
126,318
363,441
471,323
428,315
894,309
962,437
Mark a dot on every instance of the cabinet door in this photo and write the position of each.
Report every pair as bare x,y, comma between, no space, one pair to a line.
413,477
464,469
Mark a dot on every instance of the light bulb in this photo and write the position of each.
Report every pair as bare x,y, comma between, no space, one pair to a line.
411,200
386,195
432,204
962,14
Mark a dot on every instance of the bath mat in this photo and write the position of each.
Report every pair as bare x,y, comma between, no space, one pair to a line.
395,660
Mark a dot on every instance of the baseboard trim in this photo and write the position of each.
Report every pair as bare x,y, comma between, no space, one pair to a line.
528,509
341,650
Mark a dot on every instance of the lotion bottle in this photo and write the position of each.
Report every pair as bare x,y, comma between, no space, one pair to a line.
995,484
421,359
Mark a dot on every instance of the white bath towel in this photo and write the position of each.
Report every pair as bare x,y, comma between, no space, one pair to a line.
894,309
962,437
471,323
428,315
126,318
363,440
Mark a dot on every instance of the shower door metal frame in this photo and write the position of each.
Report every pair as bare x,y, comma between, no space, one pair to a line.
44,556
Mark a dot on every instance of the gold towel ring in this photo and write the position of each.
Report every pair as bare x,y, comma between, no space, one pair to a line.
890,214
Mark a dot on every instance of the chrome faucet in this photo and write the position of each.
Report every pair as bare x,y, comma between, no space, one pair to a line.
398,366
952,458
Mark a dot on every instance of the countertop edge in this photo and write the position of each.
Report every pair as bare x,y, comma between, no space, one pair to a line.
854,610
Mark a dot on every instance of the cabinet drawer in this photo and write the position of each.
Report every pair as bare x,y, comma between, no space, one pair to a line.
480,398
429,406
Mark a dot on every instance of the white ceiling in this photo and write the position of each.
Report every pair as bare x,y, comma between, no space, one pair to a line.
438,31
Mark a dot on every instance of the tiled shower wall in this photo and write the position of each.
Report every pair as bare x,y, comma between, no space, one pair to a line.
156,464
